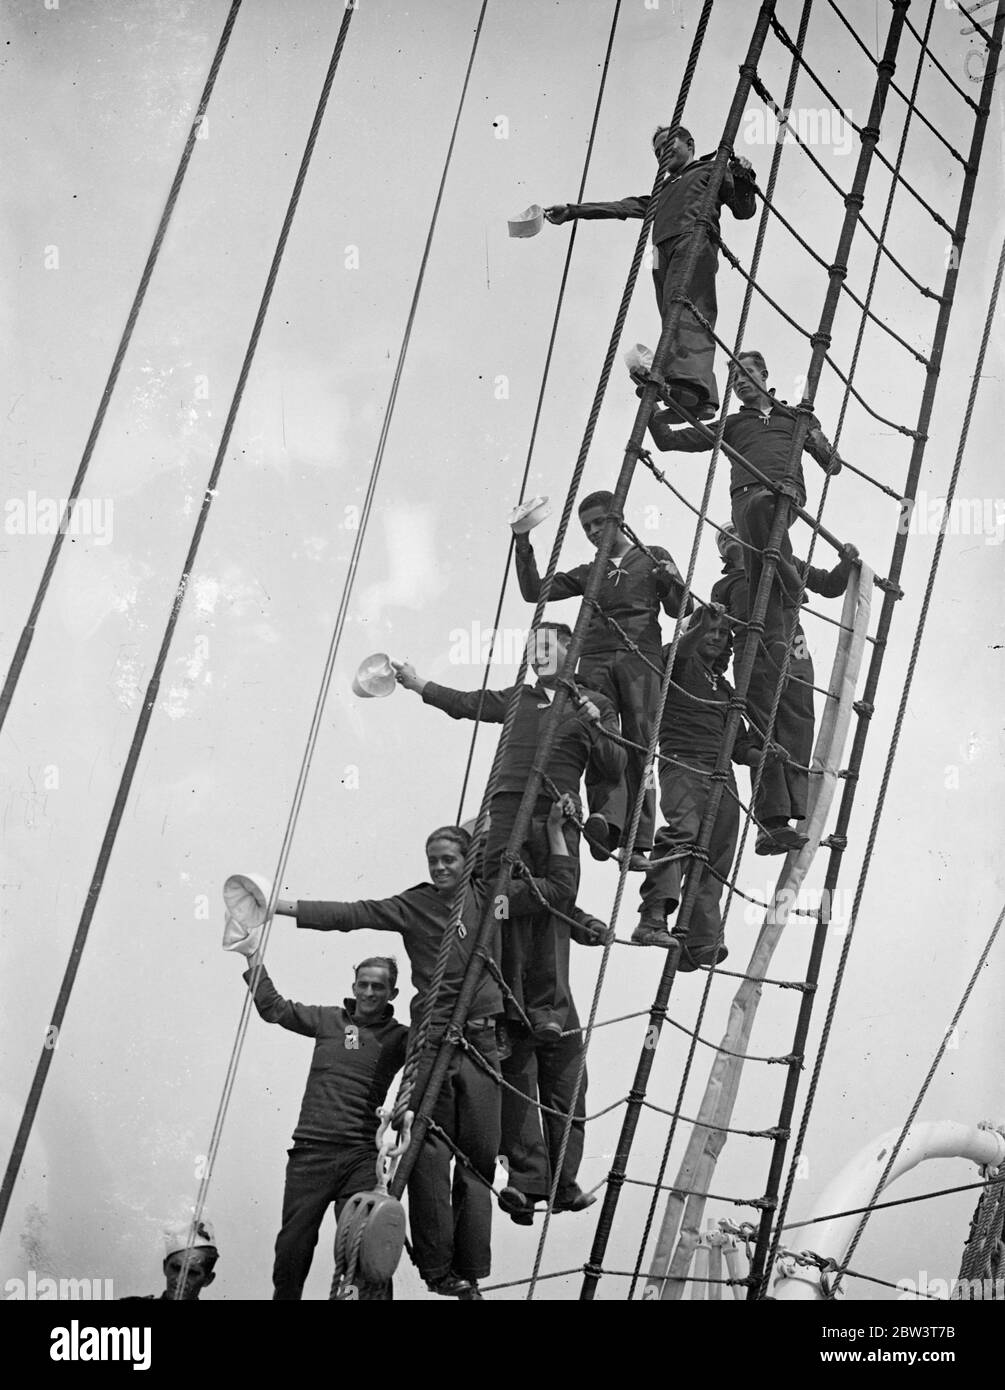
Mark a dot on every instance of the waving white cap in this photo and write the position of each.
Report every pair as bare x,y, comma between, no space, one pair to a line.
246,897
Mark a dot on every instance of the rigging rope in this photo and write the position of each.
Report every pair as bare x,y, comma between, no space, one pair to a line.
541,394
667,1264
759,1268
755,262
900,542
643,416
922,1092
547,739
899,1202
893,86
150,698
336,637
28,632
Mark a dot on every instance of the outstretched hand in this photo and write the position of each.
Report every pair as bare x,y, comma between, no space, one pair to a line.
406,675
558,213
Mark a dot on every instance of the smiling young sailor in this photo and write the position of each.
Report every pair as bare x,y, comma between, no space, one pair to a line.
450,1217
535,947
358,1049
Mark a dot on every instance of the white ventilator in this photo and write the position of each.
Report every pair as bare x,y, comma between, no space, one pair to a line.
855,1185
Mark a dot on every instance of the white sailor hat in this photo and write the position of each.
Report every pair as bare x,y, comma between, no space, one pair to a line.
185,1234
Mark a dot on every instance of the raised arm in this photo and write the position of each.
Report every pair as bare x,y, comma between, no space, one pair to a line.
622,209
563,585
819,447
738,186
671,584
367,914
831,583
689,440
558,886
607,758
273,1008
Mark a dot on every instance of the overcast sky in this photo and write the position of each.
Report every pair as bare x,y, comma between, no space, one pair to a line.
99,98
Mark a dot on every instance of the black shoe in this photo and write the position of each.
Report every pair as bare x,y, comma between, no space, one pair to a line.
651,933
637,864
550,1032
516,1206
596,833
686,395
703,960
472,1294
779,840
452,1286
579,1201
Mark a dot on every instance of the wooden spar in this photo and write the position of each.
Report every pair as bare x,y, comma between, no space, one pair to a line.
669,1269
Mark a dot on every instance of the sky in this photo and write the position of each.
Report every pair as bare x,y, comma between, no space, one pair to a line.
98,103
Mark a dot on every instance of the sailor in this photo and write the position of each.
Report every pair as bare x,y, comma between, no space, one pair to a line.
535,957
781,794
761,431
632,593
358,1049
546,1072
189,1247
451,1222
691,731
689,369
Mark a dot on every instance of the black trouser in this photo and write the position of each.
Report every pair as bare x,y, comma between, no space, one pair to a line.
782,792
451,1221
547,1073
633,688
684,797
318,1175
692,352
535,950
753,512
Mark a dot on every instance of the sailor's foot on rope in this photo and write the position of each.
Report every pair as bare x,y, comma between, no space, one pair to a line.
549,1032
516,1206
672,391
596,833
576,1201
650,932
779,839
471,1294
452,1286
637,864
704,956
